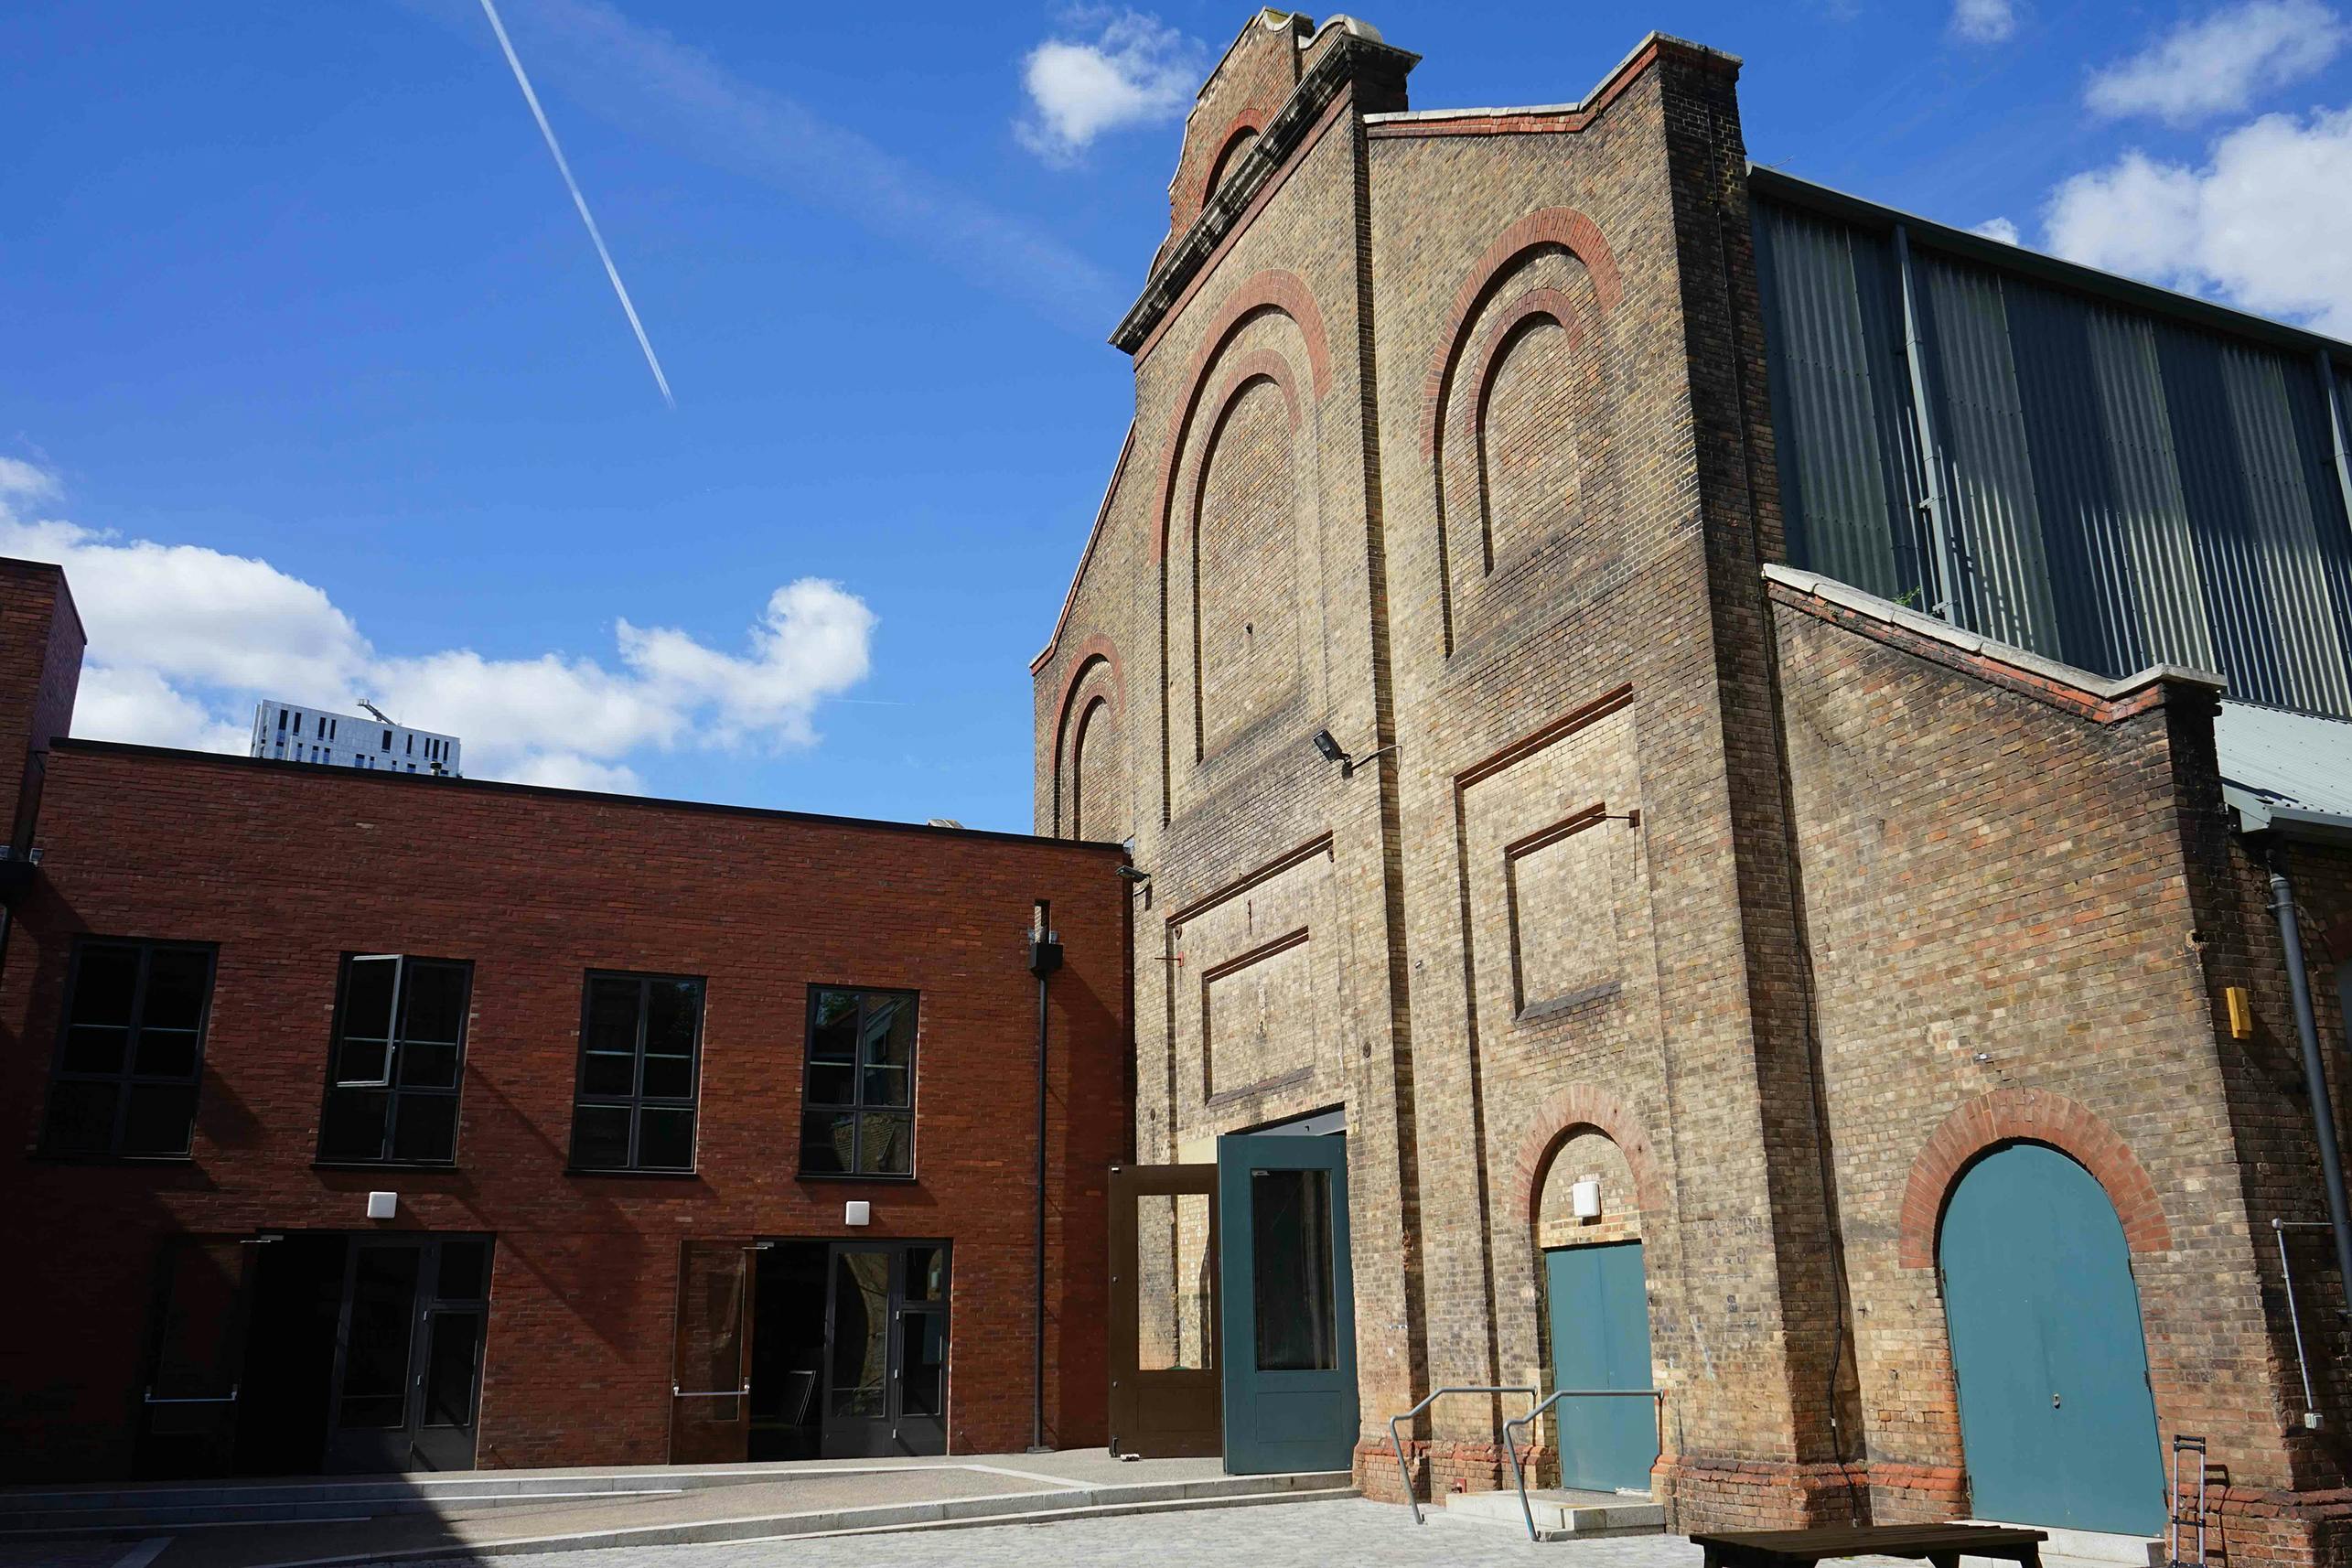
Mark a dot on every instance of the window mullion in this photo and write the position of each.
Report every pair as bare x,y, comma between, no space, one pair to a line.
128,1073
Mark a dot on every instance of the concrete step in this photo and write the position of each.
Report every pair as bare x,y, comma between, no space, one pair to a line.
960,1513
1563,1515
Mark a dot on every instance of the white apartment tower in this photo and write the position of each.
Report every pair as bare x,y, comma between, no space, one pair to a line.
289,732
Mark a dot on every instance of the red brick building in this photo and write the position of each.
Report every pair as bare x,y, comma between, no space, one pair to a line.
663,1097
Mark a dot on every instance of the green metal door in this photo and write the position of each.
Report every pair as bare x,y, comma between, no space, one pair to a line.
2057,1419
1600,1339
1287,1296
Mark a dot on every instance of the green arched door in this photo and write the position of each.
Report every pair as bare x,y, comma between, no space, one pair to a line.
2057,1418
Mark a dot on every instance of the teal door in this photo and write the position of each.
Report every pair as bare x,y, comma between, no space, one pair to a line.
1287,1298
1600,1339
2056,1421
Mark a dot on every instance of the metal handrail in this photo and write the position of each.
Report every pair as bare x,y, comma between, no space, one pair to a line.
678,1393
1518,1473
1397,1440
228,1398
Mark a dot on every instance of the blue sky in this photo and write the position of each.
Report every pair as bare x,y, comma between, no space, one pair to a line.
316,384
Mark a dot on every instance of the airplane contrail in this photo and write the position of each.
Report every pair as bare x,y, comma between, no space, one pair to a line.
580,201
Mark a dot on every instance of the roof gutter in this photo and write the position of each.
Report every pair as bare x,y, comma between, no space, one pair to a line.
2257,815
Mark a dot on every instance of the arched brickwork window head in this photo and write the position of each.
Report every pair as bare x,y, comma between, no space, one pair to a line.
2008,1116
1228,157
1244,626
1098,772
1558,1123
1095,670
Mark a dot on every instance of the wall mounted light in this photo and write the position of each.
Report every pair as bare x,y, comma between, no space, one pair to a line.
1334,752
1584,1199
857,1211
383,1204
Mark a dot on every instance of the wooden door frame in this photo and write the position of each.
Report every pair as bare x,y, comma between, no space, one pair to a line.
1128,1384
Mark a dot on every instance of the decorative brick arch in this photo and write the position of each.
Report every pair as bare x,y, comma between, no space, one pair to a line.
1251,118
1271,290
1560,1116
1562,226
1095,650
1545,304
1257,365
2032,1116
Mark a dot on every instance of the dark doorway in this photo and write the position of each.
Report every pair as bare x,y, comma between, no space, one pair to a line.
787,1351
408,1354
298,1302
849,1354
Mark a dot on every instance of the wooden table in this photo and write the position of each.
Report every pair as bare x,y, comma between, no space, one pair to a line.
1943,1545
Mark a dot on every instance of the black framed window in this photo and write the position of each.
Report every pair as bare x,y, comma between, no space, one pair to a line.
396,1060
857,1104
131,1049
640,1050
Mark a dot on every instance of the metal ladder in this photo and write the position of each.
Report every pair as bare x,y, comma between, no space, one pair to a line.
2181,1522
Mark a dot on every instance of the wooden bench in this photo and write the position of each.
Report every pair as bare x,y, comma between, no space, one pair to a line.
1943,1545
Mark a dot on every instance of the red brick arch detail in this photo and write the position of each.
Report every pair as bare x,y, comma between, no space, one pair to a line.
1560,1117
1547,303
2032,1116
1095,649
1258,364
1274,289
1251,119
1562,226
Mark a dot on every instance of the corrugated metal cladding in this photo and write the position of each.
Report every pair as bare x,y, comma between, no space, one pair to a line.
2122,487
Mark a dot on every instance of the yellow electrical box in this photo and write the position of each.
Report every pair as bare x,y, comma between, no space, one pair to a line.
2241,1012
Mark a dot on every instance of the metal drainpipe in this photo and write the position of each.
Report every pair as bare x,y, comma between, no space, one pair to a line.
2314,1074
1932,451
1045,956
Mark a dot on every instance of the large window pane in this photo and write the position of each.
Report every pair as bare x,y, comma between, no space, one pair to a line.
353,1125
435,1006
164,1053
375,1365
886,1144
129,1050
600,1137
640,1039
449,1368
859,1090
81,1117
1289,1237
104,985
178,979
665,1138
95,1048
828,1142
392,1092
159,1119
424,1127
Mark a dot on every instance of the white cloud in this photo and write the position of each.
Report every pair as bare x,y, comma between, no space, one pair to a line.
24,481
1134,70
2248,226
183,639
1984,21
1999,229
2219,63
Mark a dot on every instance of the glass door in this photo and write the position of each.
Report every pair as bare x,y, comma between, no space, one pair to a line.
1288,1303
886,1350
408,1352
190,1405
